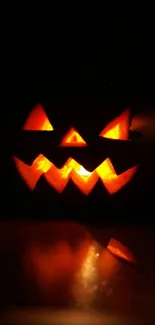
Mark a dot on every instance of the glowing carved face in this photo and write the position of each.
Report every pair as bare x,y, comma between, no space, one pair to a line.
58,178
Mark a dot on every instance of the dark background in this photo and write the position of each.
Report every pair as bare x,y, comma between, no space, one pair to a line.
85,66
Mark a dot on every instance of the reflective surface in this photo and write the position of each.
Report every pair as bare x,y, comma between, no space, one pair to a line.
72,270
64,317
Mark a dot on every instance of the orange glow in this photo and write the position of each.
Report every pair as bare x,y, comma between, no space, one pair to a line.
83,179
51,264
111,180
119,128
31,174
121,251
107,266
72,138
54,262
87,278
37,120
58,178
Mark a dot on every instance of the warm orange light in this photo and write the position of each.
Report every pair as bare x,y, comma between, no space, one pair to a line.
37,120
84,180
72,138
118,128
110,179
53,259
31,174
121,251
52,264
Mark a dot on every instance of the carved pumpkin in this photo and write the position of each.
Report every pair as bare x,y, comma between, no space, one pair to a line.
58,178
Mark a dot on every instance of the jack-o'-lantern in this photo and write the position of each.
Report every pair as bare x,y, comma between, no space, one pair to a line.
85,180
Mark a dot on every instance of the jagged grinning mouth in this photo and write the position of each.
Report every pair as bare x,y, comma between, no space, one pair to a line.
84,180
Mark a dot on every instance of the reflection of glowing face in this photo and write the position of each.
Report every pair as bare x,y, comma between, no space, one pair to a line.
118,129
80,264
86,280
53,264
98,270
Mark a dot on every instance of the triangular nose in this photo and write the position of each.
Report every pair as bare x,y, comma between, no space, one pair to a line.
72,138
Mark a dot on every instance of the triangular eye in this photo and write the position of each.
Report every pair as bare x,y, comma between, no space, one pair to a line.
72,138
118,128
37,120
